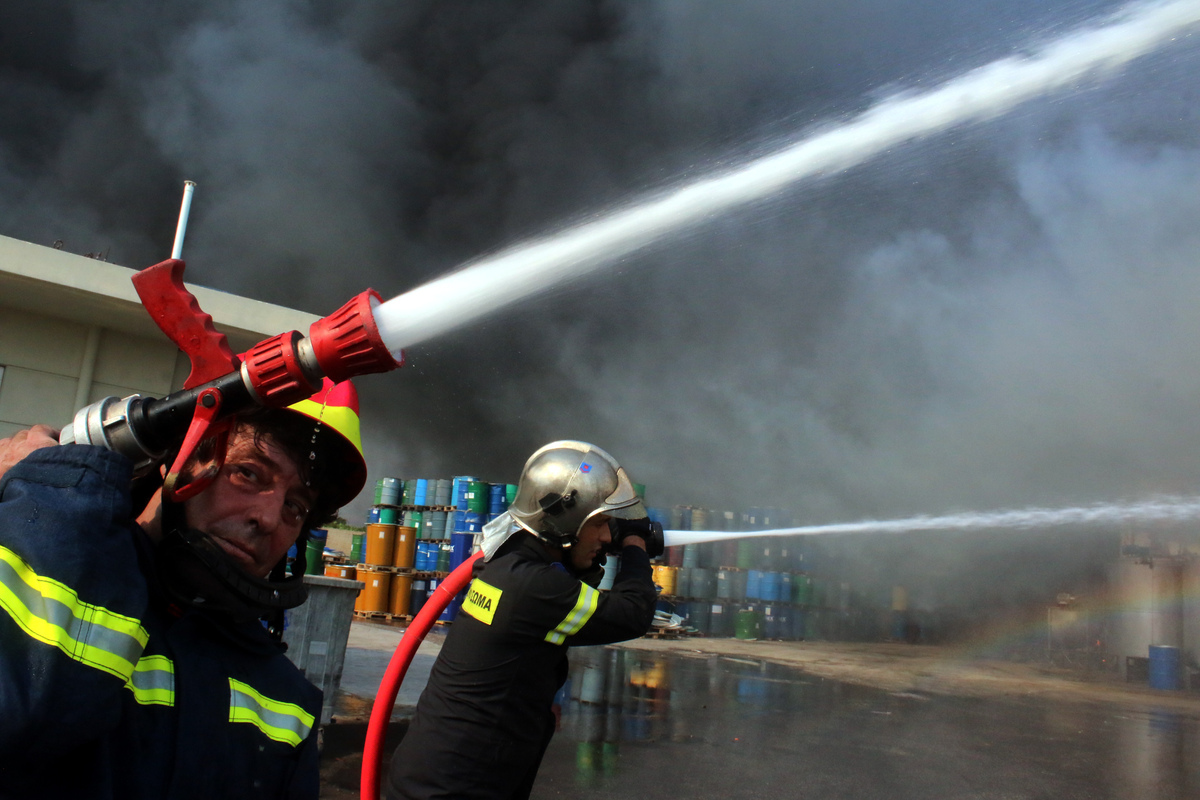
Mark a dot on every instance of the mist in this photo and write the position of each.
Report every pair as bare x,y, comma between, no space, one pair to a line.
998,316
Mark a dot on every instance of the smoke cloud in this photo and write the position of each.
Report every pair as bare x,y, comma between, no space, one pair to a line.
998,316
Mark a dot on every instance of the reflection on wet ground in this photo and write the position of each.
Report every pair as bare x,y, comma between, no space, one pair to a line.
646,725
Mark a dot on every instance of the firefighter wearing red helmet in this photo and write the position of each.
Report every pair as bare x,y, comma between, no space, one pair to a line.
134,643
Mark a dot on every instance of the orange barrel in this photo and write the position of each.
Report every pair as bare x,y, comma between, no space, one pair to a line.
379,545
664,576
405,550
374,597
345,571
399,595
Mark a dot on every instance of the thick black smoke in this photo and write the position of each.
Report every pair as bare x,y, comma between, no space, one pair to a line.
997,316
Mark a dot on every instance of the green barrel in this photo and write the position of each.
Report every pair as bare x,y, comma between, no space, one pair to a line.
313,563
477,499
610,753
802,590
389,516
747,553
378,492
510,492
443,558
640,490
409,495
748,624
356,548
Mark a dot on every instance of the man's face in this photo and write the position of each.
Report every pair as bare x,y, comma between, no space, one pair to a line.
593,537
256,506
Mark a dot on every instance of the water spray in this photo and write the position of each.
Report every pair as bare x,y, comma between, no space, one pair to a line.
487,285
1161,509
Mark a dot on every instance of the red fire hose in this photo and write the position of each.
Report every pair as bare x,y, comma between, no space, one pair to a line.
385,700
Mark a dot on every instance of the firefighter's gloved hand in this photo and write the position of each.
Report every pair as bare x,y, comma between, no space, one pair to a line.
651,532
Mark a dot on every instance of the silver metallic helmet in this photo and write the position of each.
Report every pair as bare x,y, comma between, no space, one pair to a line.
564,484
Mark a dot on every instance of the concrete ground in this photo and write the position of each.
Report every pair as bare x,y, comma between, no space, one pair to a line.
726,718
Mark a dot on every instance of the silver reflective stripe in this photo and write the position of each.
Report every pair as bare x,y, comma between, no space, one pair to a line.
281,721
52,613
153,681
585,606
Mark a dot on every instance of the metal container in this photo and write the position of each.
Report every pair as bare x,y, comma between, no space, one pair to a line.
1164,667
748,623
404,552
317,631
390,491
380,545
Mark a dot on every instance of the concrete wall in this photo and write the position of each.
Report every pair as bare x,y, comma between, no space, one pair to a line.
51,364
72,331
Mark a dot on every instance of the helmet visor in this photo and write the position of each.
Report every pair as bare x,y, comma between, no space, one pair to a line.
623,503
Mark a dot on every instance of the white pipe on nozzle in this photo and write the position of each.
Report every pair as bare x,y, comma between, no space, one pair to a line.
184,210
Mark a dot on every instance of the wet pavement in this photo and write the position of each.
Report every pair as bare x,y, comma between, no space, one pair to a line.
650,725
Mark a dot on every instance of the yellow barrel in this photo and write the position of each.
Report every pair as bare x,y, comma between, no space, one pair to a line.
664,576
345,571
405,549
399,595
374,597
380,544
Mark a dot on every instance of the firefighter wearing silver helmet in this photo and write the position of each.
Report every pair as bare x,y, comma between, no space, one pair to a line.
567,483
485,717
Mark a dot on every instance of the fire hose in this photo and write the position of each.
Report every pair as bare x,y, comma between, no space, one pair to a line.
385,699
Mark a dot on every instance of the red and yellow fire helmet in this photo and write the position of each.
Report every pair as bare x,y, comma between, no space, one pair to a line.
335,406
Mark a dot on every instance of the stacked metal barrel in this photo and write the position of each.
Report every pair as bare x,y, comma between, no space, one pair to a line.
749,588
418,530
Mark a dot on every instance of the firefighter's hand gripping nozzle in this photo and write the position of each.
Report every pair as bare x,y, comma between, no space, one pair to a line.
276,372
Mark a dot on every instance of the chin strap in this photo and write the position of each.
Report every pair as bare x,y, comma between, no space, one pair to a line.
197,573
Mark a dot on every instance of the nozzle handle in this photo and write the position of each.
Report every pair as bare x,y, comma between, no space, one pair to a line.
175,311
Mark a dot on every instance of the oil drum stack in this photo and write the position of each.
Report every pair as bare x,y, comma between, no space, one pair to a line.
392,560
748,588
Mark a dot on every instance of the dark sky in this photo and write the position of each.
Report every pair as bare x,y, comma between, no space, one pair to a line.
1000,315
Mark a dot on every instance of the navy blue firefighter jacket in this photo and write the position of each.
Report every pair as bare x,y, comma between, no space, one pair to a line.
109,691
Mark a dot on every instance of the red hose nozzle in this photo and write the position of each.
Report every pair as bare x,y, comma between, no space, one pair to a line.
276,371
347,342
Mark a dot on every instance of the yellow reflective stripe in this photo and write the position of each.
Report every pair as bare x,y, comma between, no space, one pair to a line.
283,722
585,606
52,613
153,681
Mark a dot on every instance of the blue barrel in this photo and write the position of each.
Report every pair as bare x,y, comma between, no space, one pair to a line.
798,624
468,522
441,492
417,596
770,587
785,587
497,498
390,490
771,624
720,622
739,579
691,555
754,585
1164,667
421,492
460,548
373,516
700,616
683,582
703,583
724,584
458,491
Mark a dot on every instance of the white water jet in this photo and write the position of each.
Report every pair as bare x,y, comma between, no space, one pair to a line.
1159,509
525,269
